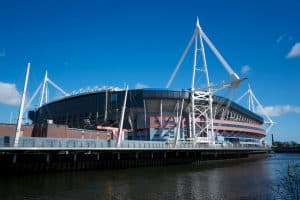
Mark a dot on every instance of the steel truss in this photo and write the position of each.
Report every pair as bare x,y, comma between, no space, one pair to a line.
43,88
254,105
201,120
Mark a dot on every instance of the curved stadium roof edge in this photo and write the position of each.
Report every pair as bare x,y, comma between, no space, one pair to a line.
158,93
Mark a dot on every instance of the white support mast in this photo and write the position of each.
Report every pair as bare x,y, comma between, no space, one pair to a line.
43,89
121,133
193,85
57,87
20,118
219,56
202,118
201,126
178,131
198,32
252,100
181,60
33,96
205,111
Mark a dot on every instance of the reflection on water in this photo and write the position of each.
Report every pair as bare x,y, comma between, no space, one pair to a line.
240,180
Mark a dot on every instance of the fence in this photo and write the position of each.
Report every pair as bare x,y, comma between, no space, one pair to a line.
7,142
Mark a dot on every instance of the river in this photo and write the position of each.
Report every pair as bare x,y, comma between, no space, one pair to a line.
238,180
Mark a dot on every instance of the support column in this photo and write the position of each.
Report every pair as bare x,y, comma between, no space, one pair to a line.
120,135
161,114
106,103
20,118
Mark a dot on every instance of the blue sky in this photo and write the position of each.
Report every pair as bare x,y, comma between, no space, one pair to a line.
89,43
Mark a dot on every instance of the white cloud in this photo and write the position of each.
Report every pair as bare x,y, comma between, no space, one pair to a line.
278,110
140,86
245,69
9,94
295,51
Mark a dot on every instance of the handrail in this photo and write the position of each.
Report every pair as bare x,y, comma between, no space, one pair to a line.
7,142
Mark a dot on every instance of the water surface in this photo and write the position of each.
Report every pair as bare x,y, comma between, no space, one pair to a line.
238,180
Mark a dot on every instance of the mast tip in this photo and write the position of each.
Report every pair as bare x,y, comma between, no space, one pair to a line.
197,21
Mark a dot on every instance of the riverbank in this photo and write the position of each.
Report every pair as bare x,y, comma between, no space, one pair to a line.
233,180
41,161
286,149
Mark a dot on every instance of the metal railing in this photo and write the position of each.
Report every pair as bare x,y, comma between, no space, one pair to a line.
7,142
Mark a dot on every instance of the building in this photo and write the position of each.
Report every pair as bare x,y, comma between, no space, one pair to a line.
151,114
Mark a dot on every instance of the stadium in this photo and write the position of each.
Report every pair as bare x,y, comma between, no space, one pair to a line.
194,115
151,114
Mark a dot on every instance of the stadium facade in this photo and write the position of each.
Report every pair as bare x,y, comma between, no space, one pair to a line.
151,114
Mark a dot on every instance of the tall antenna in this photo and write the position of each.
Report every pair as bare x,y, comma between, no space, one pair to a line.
20,118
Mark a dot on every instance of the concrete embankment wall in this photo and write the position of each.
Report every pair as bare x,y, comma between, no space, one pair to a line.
65,160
